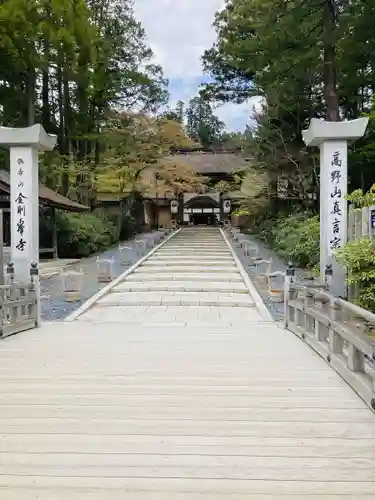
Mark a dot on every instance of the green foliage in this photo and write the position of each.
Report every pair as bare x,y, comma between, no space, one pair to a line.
233,141
295,238
80,235
69,64
241,212
177,114
274,50
202,125
360,199
358,256
223,186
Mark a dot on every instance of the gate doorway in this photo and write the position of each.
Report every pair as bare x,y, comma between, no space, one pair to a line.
203,219
202,210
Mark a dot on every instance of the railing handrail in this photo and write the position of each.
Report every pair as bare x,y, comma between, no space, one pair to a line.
344,304
19,303
316,316
354,309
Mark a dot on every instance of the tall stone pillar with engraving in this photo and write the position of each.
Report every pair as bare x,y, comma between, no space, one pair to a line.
24,144
332,139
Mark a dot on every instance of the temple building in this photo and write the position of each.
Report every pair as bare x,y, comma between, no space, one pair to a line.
211,205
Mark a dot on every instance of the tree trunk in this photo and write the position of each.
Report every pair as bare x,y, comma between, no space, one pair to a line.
46,111
67,112
63,110
83,107
60,99
31,96
330,86
46,120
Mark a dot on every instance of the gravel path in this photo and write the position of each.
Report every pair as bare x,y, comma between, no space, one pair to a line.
54,305
278,264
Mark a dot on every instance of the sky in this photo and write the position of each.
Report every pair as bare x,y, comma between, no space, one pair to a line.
179,31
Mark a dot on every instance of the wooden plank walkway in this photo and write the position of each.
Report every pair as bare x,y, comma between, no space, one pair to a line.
176,386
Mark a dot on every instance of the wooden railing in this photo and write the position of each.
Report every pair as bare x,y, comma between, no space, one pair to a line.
337,330
19,303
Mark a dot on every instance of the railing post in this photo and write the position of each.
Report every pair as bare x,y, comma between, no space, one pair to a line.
10,294
328,275
307,303
10,272
289,279
356,359
336,343
322,330
35,287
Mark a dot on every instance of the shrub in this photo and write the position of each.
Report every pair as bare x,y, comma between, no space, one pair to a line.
295,238
80,235
241,212
360,199
358,256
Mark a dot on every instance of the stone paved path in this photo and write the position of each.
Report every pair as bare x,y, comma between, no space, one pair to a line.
175,385
189,271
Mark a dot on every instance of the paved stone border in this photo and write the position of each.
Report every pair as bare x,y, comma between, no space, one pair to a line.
252,290
91,301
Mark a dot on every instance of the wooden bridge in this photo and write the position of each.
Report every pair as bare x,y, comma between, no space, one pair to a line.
175,383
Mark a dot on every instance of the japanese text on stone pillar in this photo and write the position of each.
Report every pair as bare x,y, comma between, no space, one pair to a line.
336,202
20,207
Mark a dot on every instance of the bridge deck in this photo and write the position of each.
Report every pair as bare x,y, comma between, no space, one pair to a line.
175,385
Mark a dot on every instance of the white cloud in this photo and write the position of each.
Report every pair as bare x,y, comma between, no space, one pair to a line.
236,117
179,31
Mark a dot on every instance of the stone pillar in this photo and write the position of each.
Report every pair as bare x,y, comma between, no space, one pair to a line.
24,144
332,139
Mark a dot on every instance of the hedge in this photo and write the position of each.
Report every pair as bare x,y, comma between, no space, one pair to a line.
295,238
78,235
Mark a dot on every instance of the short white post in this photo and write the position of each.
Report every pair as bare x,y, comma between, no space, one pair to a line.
332,139
24,144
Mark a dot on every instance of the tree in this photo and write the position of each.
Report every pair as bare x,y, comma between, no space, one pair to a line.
171,135
136,145
169,175
69,64
177,114
268,44
289,52
233,141
175,178
202,125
